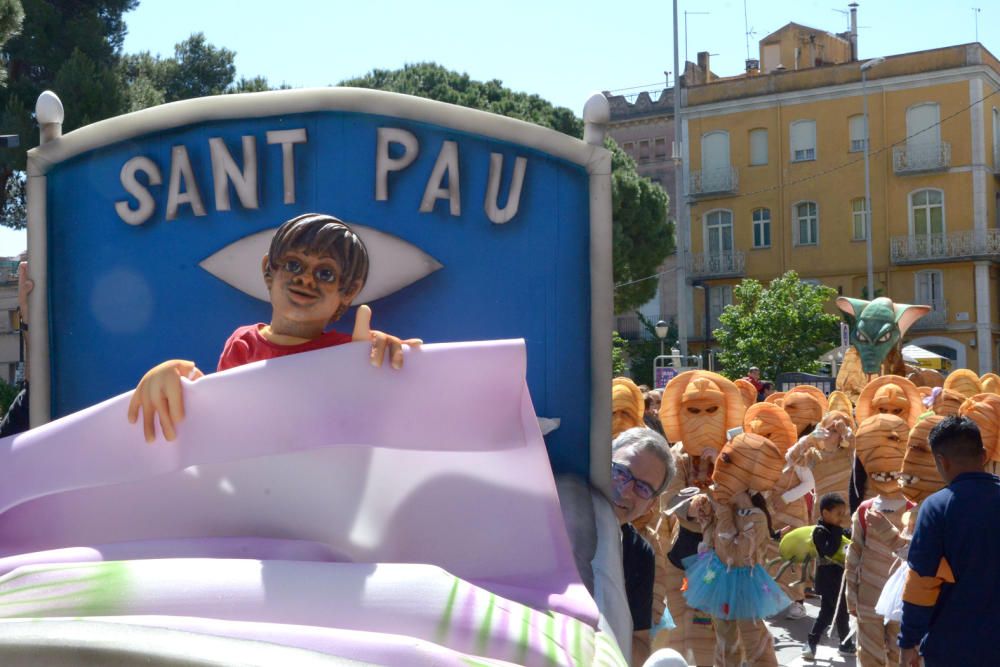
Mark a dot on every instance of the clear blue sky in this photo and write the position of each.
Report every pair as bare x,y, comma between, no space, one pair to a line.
562,50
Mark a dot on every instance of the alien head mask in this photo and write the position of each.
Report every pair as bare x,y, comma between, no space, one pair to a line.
891,395
627,406
881,442
964,382
805,409
984,409
876,326
697,409
990,383
747,391
919,476
771,422
749,462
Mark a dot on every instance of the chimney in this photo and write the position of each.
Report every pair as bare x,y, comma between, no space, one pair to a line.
854,30
703,63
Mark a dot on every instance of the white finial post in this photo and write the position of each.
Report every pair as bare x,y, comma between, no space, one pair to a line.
596,115
50,115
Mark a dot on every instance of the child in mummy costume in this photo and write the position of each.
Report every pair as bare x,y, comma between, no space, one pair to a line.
876,536
918,478
697,409
726,578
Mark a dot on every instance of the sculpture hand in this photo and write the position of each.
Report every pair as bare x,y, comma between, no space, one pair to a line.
380,340
160,393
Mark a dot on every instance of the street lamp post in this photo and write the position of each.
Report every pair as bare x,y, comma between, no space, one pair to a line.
868,190
661,333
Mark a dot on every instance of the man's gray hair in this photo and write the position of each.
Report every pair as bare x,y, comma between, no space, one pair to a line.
642,439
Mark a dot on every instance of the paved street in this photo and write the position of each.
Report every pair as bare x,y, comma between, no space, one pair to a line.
790,636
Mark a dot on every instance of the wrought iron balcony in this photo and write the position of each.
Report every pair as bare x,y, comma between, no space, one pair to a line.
920,158
950,247
706,182
936,319
717,265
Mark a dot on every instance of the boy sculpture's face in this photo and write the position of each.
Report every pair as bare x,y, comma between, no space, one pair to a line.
305,291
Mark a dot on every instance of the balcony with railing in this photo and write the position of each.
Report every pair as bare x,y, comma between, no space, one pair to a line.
920,158
936,319
949,247
717,265
710,182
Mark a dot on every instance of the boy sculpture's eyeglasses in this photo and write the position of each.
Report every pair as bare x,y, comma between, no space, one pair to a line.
622,475
323,274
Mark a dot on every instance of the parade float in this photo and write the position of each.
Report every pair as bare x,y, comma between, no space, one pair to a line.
314,509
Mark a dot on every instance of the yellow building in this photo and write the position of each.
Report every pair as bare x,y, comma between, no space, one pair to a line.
776,182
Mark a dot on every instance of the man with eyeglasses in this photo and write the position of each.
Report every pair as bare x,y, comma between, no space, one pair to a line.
641,468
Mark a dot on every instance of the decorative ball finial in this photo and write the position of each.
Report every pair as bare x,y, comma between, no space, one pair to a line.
49,108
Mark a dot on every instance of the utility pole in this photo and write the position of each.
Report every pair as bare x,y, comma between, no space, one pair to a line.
683,315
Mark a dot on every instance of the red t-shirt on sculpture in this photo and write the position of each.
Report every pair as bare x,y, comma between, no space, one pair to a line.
246,346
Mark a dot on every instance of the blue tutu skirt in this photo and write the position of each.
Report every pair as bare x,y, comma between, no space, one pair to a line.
731,593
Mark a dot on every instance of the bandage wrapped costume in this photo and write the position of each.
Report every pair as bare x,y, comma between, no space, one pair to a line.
786,498
697,409
726,579
881,443
627,406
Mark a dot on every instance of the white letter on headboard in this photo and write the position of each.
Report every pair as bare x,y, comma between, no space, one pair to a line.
224,170
180,170
384,164
287,139
447,161
493,211
132,186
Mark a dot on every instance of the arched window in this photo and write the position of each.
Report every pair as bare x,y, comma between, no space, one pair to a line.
806,227
927,212
762,228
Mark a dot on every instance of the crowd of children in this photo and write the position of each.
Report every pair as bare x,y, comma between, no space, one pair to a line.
742,468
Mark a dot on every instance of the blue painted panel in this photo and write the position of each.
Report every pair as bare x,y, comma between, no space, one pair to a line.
123,298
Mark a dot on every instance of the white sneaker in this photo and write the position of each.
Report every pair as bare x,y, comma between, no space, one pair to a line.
795,611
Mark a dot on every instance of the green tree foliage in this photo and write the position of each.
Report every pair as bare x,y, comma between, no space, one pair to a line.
643,237
71,47
641,353
197,69
11,16
619,352
783,327
8,393
435,82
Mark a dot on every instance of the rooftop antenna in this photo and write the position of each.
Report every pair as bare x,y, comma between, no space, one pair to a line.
746,24
975,15
686,14
847,16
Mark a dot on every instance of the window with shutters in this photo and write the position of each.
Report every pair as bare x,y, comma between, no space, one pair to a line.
856,125
859,226
803,140
758,147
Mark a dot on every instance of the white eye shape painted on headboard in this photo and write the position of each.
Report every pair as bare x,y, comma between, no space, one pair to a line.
392,263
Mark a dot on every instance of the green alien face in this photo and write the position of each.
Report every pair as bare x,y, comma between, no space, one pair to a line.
876,326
